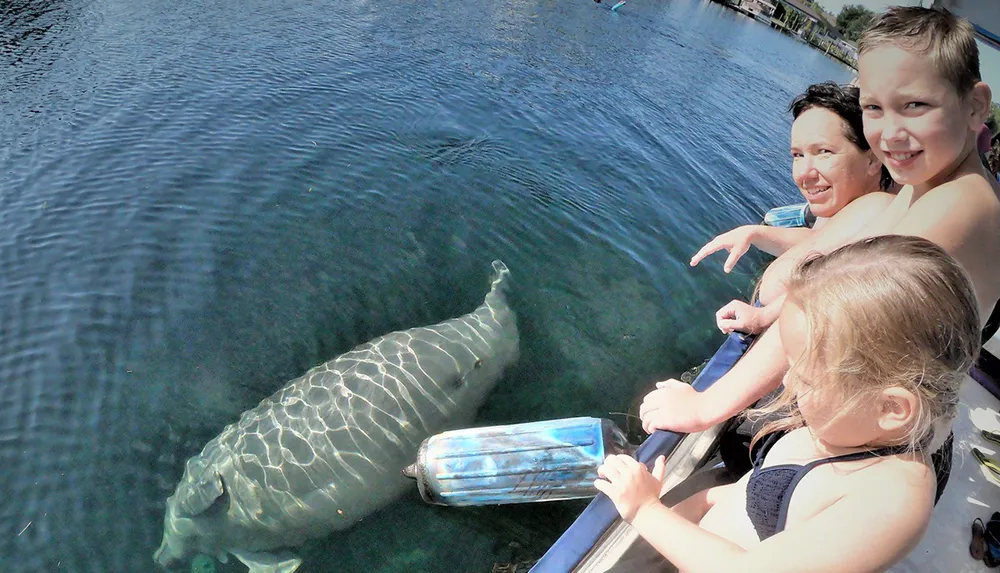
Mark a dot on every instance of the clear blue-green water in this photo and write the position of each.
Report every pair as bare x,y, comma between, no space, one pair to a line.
199,200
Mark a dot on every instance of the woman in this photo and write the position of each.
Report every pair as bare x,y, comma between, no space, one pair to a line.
832,166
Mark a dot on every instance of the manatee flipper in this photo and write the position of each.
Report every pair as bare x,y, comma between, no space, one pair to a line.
194,498
268,562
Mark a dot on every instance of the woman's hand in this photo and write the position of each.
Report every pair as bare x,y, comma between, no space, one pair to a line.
737,242
738,316
629,484
673,406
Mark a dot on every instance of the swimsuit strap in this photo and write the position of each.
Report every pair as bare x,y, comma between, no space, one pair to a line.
881,452
769,441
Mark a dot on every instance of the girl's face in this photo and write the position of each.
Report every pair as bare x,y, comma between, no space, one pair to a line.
819,399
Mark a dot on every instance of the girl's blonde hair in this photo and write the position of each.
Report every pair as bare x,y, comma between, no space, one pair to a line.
883,312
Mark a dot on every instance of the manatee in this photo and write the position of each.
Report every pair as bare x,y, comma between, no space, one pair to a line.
329,448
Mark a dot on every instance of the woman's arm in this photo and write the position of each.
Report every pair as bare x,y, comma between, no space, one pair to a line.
776,240
773,240
738,316
865,531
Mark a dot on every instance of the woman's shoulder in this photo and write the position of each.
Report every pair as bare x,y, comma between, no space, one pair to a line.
869,201
855,218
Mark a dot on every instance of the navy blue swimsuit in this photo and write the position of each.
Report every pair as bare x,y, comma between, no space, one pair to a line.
770,489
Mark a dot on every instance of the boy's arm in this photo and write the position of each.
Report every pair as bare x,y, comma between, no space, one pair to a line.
738,316
942,218
758,372
864,531
853,222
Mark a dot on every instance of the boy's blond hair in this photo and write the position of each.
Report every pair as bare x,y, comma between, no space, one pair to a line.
948,41
889,311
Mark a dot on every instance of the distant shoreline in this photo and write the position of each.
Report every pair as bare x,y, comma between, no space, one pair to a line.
828,48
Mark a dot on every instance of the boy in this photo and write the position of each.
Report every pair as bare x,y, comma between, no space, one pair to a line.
924,102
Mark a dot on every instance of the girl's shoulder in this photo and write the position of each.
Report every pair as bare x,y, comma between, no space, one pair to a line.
798,445
907,477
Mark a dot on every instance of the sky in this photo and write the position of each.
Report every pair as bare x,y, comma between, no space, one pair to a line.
989,57
989,67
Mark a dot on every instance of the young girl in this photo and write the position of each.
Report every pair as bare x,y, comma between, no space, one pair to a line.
879,335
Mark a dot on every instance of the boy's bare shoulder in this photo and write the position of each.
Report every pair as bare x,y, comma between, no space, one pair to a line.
969,187
968,201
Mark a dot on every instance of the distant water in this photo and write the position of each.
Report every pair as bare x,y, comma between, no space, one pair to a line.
199,200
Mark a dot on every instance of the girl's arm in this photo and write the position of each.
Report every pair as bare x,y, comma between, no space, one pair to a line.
865,531
695,507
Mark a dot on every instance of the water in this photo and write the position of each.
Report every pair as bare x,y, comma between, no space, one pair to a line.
199,200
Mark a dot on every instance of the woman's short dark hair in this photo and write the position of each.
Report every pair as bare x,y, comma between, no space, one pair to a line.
845,102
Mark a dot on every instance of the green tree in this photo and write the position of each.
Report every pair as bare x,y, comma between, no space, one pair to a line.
852,21
995,112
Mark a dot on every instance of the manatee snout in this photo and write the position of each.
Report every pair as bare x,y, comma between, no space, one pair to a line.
170,556
166,559
171,562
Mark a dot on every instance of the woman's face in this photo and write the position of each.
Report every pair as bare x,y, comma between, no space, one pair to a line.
829,170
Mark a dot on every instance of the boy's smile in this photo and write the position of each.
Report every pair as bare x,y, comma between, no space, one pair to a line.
914,118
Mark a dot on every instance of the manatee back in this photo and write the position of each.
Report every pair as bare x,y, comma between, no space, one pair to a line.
328,447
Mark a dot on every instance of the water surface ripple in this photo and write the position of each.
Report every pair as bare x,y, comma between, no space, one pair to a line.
199,200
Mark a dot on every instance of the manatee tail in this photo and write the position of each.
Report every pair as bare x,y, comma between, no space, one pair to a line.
501,276
496,300
499,285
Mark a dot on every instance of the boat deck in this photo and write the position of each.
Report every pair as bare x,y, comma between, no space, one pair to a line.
971,492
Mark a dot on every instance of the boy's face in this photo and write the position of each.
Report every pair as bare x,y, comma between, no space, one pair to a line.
914,119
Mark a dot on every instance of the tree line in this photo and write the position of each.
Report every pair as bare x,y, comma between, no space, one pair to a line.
852,20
